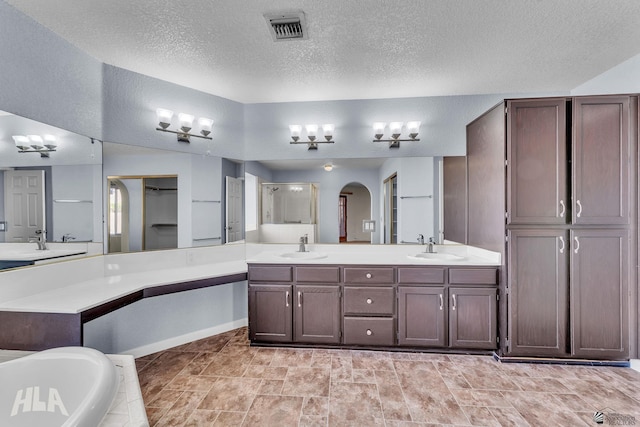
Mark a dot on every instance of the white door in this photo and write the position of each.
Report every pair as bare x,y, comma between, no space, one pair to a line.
233,214
23,204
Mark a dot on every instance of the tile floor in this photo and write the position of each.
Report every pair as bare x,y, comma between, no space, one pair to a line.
222,381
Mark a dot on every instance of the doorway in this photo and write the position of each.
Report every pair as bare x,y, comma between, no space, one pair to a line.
354,207
24,204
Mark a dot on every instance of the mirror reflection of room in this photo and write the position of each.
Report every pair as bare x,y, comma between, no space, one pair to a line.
157,227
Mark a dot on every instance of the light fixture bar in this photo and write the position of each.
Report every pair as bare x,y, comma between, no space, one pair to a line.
312,135
186,135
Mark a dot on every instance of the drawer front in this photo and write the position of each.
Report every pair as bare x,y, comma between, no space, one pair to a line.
362,275
421,275
368,330
481,276
370,300
318,274
259,273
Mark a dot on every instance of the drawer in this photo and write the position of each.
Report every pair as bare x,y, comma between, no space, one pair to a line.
280,273
368,330
369,300
421,275
362,275
318,274
481,276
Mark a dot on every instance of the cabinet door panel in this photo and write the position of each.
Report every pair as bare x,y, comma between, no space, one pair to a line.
537,156
538,292
422,316
317,318
270,311
473,317
599,280
601,160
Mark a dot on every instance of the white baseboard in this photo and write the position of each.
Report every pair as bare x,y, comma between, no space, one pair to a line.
635,364
183,339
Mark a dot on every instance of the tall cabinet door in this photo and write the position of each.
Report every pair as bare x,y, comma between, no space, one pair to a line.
270,312
538,292
599,281
601,160
317,314
536,161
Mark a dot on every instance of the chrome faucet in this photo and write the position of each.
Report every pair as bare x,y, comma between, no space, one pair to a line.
41,239
303,240
67,237
421,239
430,244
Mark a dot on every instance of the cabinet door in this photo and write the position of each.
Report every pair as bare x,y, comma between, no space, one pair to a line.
422,316
317,314
537,158
538,292
473,317
270,311
599,280
601,160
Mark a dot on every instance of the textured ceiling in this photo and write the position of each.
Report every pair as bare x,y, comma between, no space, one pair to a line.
357,49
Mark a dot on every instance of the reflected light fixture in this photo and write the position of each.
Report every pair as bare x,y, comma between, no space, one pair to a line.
395,128
328,167
312,134
35,144
186,124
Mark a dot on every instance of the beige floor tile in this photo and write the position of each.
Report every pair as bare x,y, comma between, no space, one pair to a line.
270,411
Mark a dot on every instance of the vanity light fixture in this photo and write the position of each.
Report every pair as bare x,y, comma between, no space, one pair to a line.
395,128
312,132
35,144
186,123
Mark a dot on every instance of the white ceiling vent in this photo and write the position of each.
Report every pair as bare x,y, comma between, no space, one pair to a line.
287,26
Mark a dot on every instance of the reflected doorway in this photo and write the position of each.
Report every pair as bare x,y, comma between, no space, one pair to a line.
354,207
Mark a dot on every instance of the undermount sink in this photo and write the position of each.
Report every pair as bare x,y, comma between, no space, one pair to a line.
303,255
436,256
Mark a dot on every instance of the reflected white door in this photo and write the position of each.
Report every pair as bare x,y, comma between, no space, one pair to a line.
233,213
23,204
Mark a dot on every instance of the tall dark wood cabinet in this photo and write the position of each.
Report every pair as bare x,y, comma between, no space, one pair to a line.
570,224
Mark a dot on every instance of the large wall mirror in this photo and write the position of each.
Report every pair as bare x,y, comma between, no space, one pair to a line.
356,201
161,199
62,191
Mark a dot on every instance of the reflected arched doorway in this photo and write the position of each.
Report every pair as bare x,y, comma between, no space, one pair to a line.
354,206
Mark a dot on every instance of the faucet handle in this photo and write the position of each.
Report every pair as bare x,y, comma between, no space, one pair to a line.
432,241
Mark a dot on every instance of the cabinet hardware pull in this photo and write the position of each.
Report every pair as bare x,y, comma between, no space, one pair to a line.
368,275
369,300
369,332
286,299
562,247
299,299
454,302
441,302
577,244
579,208
562,206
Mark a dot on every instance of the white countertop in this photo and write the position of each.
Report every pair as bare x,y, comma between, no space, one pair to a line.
448,255
78,297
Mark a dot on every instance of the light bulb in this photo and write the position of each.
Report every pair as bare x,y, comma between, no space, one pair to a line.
413,128
205,125
295,132
312,131
396,129
21,141
36,142
328,129
50,142
186,122
164,117
378,129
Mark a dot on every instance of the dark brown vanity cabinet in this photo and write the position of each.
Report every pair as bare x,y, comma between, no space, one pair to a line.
374,306
306,312
459,312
